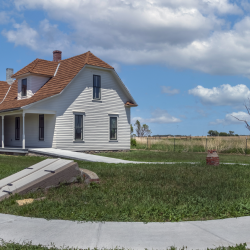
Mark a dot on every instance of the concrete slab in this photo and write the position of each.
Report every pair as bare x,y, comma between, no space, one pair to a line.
132,235
49,175
75,155
12,178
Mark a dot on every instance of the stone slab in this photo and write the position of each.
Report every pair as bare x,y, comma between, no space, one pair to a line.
21,174
50,175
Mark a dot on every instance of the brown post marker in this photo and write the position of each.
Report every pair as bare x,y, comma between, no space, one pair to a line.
212,158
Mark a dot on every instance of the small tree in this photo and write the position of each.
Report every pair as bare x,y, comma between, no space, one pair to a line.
248,111
223,134
142,130
131,129
213,132
231,133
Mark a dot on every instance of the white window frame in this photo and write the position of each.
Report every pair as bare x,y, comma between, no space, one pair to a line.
117,116
24,96
83,125
97,99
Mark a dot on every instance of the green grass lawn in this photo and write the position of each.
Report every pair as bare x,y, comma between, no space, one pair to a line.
154,156
139,192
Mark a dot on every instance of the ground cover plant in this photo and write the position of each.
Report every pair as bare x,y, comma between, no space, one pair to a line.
228,144
29,246
143,192
159,156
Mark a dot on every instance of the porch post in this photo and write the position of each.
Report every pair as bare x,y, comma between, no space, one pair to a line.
23,130
2,131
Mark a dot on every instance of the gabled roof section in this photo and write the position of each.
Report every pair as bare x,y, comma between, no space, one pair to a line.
66,72
4,86
130,104
38,66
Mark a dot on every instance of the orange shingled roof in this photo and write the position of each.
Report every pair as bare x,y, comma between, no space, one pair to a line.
38,66
67,70
4,86
130,104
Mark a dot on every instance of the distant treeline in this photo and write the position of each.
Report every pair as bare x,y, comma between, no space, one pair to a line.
210,133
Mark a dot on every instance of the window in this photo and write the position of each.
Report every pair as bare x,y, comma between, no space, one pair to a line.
24,87
113,128
96,87
17,128
78,127
41,127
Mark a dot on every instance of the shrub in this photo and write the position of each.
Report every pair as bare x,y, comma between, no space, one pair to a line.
133,142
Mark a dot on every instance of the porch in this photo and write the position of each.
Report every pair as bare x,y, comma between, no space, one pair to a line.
23,129
14,151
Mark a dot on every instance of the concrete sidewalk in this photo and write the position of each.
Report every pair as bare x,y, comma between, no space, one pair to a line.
132,235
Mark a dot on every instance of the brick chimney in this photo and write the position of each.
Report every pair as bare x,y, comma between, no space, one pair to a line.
9,73
57,55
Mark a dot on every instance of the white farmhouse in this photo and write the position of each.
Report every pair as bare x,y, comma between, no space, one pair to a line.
78,104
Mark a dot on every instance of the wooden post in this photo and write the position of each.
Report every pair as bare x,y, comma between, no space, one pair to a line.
246,146
2,131
174,144
23,130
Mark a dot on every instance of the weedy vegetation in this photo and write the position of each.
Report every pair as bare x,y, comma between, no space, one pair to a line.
234,144
28,246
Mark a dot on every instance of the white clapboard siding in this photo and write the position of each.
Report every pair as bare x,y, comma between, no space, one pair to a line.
9,131
31,131
0,130
78,97
34,83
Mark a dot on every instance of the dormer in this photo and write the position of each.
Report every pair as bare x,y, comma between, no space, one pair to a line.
32,77
29,84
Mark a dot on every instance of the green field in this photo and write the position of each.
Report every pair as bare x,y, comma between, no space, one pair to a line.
139,192
156,156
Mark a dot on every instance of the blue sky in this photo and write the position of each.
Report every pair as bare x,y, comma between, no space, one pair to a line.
186,62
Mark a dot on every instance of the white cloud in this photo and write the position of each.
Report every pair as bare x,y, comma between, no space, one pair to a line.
4,17
223,95
46,38
22,35
169,91
158,116
229,119
185,34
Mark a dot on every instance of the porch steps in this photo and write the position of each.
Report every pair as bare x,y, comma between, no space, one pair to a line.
13,150
47,173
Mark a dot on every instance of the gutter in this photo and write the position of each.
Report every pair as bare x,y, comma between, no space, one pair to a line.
6,110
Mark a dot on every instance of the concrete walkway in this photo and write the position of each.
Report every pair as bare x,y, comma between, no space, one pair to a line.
132,235
95,158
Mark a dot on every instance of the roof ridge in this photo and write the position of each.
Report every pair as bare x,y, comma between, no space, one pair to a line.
73,57
87,58
100,59
36,61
